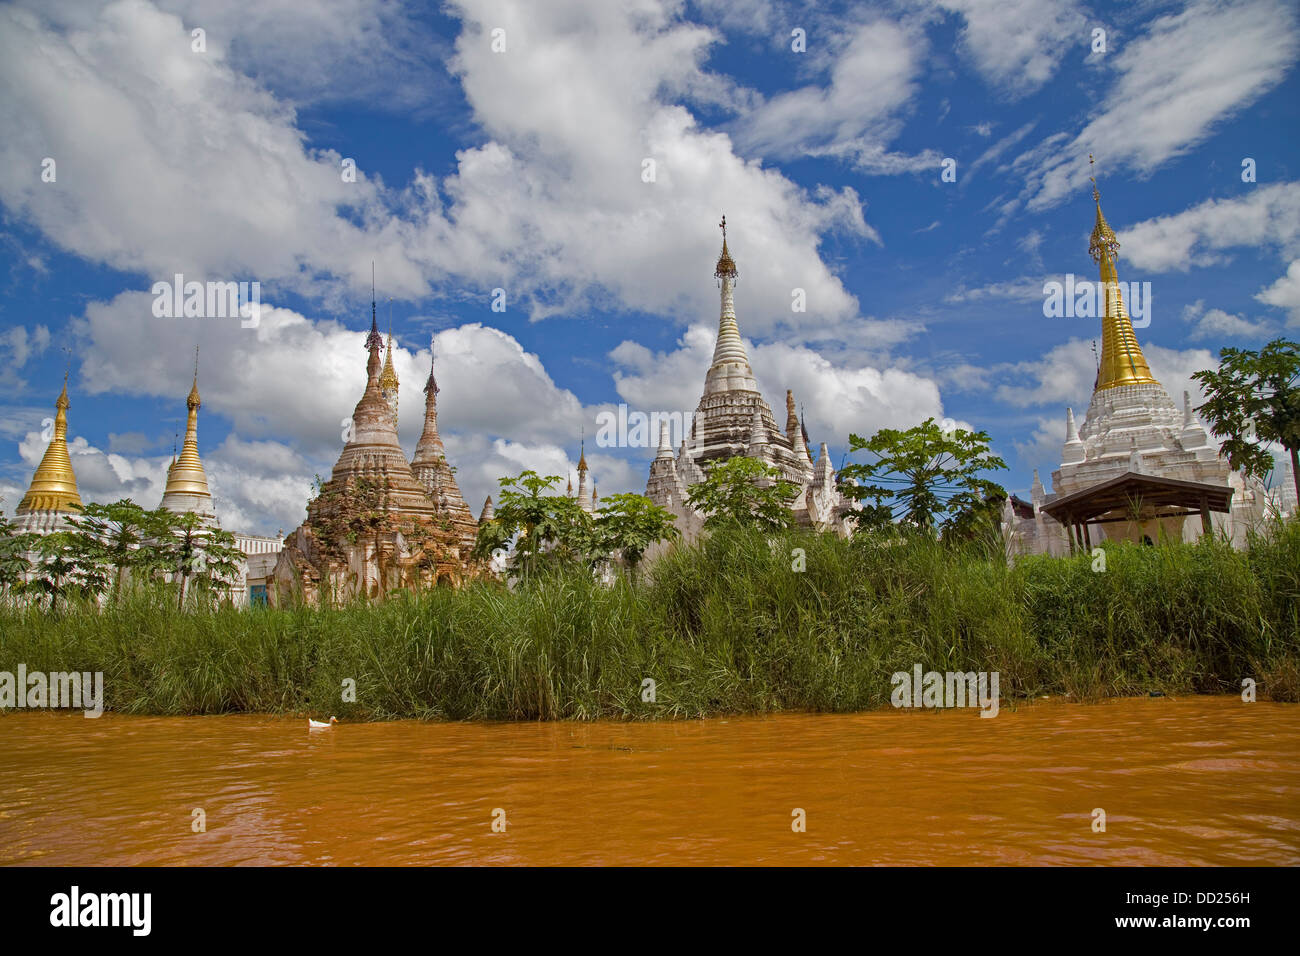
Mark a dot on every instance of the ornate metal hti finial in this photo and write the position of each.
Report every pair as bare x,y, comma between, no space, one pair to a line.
726,266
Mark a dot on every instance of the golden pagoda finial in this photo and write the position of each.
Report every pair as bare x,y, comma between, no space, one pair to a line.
1103,243
54,485
726,266
193,400
1122,361
388,378
186,476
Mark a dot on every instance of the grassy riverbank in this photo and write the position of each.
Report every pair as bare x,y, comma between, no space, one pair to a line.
724,627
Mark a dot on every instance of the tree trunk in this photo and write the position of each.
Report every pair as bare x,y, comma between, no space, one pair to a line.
1295,470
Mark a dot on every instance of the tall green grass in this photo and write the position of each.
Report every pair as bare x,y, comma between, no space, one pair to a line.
722,627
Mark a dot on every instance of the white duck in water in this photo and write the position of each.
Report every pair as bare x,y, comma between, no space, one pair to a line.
320,724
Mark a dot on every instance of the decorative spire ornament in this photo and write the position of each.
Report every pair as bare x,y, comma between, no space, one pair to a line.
730,368
1122,361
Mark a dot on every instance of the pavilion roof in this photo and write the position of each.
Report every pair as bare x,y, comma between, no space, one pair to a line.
1148,490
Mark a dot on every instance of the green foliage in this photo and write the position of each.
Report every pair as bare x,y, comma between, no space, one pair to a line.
65,568
118,536
629,524
190,550
923,477
14,564
1253,398
108,547
725,626
547,527
744,492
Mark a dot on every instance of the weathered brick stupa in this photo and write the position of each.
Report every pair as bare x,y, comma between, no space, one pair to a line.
376,526
436,475
733,419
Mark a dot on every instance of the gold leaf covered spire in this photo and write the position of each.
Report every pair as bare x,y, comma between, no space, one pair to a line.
186,475
388,377
1122,361
54,486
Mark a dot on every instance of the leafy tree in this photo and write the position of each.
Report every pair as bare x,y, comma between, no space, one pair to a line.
1254,399
14,548
629,524
541,524
923,476
120,537
744,492
63,568
191,550
979,524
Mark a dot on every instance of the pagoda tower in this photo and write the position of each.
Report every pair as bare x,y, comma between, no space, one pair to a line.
586,490
52,496
413,544
435,474
388,380
187,483
374,452
731,419
1132,426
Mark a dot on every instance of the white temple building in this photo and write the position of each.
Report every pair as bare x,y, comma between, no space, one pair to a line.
1139,468
733,419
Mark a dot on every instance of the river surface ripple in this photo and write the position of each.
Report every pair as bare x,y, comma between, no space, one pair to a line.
1195,781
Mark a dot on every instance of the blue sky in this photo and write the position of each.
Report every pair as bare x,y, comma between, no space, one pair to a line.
522,169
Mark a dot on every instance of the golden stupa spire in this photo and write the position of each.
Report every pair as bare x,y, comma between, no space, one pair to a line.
186,475
1122,361
388,377
54,486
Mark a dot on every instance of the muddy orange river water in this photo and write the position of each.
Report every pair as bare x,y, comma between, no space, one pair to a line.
1195,781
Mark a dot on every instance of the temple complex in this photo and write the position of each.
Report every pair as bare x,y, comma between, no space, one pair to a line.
1139,468
380,522
733,419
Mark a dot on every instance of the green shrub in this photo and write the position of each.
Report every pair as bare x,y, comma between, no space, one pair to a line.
726,626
